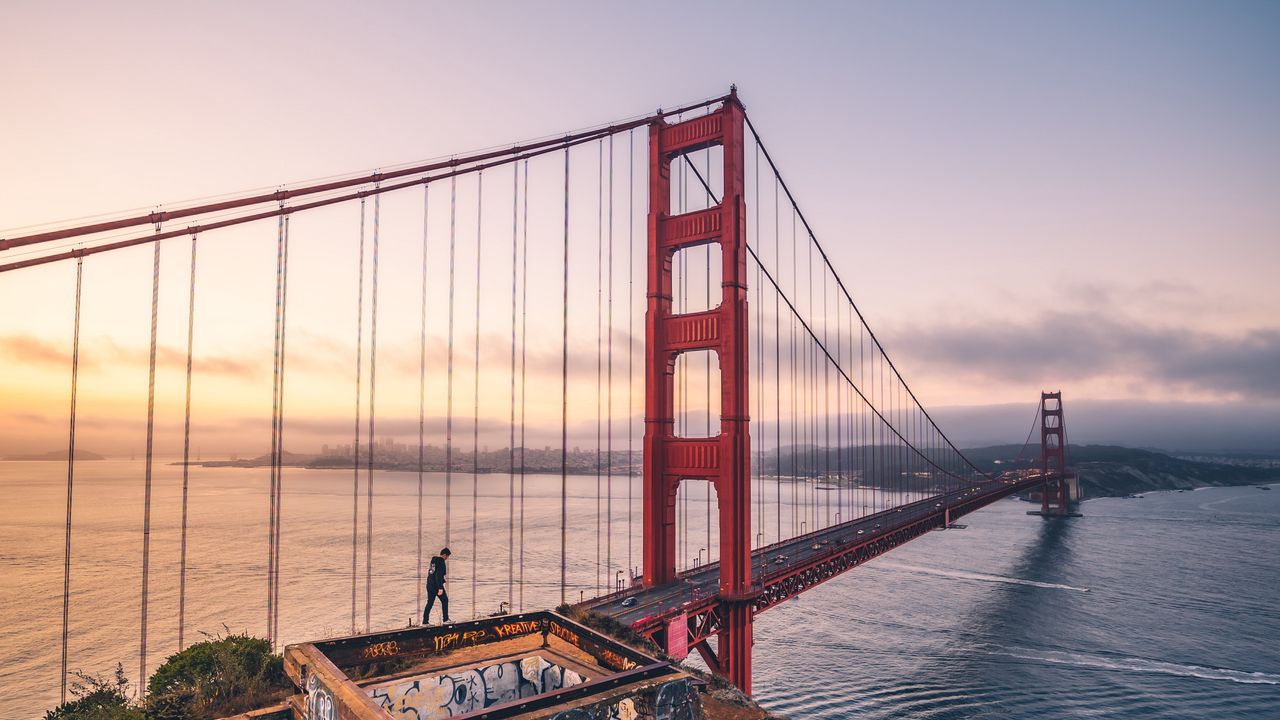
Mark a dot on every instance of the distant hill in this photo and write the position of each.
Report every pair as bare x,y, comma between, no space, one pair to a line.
55,455
287,458
1110,471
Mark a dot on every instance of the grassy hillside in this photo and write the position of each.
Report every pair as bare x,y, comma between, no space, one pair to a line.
1108,470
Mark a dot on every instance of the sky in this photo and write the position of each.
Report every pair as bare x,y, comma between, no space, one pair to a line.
1074,196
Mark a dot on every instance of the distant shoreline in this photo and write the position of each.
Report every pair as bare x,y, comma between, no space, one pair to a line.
400,467
52,455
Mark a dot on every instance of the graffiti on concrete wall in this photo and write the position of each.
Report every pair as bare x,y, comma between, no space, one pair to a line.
624,710
319,700
674,700
466,638
607,657
470,690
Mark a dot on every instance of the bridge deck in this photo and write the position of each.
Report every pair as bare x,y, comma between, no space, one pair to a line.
784,569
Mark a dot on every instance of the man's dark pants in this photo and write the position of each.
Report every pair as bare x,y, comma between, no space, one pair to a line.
431,601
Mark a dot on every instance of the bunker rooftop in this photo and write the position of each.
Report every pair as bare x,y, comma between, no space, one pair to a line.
527,666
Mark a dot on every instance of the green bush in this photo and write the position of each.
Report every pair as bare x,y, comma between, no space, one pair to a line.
98,699
215,678
221,676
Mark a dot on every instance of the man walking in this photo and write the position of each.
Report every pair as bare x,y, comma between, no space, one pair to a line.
435,587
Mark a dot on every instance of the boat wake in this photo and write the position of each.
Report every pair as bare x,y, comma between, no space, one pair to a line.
1132,664
980,577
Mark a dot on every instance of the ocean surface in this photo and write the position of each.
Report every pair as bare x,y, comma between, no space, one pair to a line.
1166,606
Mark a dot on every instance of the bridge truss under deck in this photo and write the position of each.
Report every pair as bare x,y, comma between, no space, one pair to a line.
784,570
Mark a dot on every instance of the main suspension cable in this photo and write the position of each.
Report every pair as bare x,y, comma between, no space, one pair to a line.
849,298
1035,419
808,329
505,154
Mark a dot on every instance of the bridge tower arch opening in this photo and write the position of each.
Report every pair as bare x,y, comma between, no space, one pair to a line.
724,458
697,519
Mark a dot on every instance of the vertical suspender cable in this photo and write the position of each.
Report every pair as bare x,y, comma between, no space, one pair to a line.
475,408
881,427
355,445
711,200
275,431
758,438
877,390
759,373
284,326
422,386
682,378
599,339
811,414
373,373
826,409
811,418
71,476
851,425
564,391
795,506
864,420
186,454
511,445
682,268
448,422
146,507
608,513
631,254
868,425
524,324
777,351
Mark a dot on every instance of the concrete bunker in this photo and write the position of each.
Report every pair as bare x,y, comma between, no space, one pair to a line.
528,666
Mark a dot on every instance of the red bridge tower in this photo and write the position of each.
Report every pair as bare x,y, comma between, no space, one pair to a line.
1053,466
723,460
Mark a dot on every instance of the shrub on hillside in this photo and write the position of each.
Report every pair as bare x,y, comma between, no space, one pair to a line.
98,699
215,678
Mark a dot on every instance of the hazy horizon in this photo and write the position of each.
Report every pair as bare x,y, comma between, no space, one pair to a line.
1175,428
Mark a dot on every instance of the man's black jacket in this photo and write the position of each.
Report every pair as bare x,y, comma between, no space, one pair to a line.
435,574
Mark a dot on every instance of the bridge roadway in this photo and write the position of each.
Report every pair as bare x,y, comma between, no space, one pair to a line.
783,570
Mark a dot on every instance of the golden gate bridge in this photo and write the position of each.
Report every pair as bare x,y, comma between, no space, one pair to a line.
745,319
